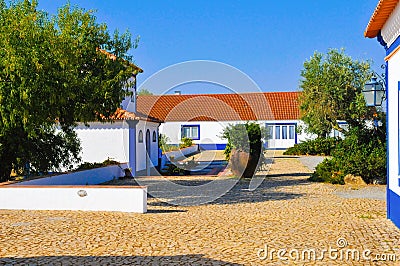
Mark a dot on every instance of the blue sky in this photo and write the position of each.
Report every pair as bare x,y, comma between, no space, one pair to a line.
267,40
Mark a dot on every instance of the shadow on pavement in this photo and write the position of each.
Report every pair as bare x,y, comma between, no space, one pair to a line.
240,193
289,175
190,259
164,211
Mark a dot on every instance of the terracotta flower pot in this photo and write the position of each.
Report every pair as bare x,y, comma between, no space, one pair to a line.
243,164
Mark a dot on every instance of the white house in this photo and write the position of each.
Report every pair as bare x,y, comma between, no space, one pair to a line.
385,26
128,138
203,117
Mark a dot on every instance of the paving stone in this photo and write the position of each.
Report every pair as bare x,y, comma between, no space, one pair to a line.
284,212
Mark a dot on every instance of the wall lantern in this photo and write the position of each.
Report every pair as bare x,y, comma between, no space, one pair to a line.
374,92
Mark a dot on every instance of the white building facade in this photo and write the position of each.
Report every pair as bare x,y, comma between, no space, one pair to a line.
124,140
282,133
385,26
204,117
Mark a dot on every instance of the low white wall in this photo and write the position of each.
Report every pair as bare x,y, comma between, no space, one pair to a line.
178,154
83,198
85,177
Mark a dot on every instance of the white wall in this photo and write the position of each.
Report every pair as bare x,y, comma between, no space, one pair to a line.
178,154
111,140
98,198
393,122
210,132
100,141
141,147
86,177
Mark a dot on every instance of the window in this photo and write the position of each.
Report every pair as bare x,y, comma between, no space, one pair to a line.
154,136
277,132
189,131
140,137
270,132
292,132
280,131
284,132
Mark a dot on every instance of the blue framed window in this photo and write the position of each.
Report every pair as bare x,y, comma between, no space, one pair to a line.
270,132
190,131
281,131
292,132
284,132
277,132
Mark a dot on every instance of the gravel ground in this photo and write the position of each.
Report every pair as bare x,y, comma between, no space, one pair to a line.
368,192
348,192
286,212
311,161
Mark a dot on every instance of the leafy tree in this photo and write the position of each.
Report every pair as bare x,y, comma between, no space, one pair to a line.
144,92
55,71
332,86
331,90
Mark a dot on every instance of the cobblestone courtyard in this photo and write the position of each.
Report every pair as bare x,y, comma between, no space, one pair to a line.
285,212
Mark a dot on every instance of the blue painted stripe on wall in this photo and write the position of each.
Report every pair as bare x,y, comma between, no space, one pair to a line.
394,210
393,46
213,146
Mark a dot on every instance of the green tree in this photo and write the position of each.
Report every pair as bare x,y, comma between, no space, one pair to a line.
144,92
55,71
331,90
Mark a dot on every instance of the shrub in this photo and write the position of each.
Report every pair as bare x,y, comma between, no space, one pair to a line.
319,146
185,142
173,170
361,153
87,165
162,141
326,172
163,144
244,138
227,151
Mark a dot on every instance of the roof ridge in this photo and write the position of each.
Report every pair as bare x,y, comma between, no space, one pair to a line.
213,94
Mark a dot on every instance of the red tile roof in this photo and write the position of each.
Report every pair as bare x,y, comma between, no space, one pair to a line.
379,17
221,107
122,114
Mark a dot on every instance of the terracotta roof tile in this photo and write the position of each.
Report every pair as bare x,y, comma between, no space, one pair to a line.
121,114
221,107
